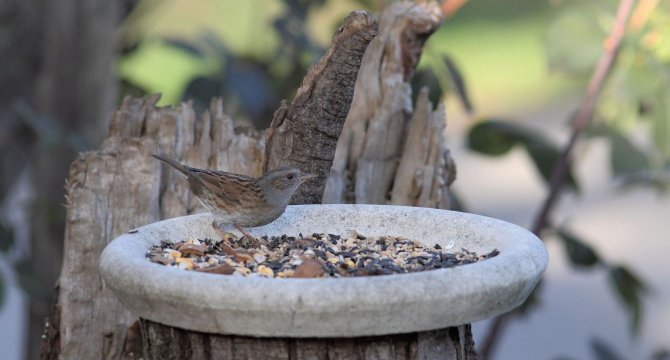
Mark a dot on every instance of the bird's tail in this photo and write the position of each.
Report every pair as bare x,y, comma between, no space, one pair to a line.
181,167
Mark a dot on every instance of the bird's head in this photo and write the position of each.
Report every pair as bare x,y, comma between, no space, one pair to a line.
280,184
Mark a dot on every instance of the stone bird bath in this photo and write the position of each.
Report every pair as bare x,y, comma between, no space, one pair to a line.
332,307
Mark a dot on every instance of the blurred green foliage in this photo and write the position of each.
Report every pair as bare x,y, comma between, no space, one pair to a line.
635,99
603,351
630,289
497,47
253,59
580,253
637,94
497,137
6,242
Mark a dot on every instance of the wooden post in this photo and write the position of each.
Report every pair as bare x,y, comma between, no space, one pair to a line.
167,343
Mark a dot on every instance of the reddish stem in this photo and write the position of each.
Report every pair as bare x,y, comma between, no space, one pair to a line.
561,170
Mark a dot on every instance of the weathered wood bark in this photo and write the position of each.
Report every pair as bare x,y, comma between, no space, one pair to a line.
119,187
389,150
425,168
166,343
304,133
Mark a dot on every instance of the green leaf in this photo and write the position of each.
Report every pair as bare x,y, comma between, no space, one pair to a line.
545,157
661,354
627,161
2,291
29,282
603,350
456,202
426,78
574,42
658,181
660,125
187,46
459,83
579,252
532,302
496,137
492,137
619,106
625,157
6,238
638,91
629,288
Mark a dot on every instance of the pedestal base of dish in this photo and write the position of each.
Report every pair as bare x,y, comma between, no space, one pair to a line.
167,342
196,315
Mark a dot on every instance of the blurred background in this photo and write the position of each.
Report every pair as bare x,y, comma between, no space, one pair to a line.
511,74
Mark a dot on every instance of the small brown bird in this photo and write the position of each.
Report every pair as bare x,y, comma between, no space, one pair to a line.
242,200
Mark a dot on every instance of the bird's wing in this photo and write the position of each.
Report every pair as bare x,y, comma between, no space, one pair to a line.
231,188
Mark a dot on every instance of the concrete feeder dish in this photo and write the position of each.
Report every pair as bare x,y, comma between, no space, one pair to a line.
331,307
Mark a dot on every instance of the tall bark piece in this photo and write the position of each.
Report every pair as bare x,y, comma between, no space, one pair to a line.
425,168
119,187
304,133
383,130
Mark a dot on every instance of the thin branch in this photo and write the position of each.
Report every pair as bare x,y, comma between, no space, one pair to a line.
560,171
586,110
450,7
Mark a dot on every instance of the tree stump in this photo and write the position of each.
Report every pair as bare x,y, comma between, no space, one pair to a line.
118,187
166,343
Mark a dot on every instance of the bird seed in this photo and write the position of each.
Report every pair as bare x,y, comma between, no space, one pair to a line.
318,255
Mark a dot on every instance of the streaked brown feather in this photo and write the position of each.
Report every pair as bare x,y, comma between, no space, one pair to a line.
231,188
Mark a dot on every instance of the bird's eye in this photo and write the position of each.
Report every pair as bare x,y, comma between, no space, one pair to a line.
290,176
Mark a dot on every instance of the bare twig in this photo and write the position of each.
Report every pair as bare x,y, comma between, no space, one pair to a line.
450,7
585,114
560,171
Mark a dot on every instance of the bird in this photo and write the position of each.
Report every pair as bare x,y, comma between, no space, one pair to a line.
240,200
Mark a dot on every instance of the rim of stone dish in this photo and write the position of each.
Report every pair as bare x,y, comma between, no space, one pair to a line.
331,307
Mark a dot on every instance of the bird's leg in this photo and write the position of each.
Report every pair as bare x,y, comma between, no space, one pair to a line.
251,238
217,227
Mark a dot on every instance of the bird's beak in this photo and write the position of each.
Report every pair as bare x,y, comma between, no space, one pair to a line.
304,177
